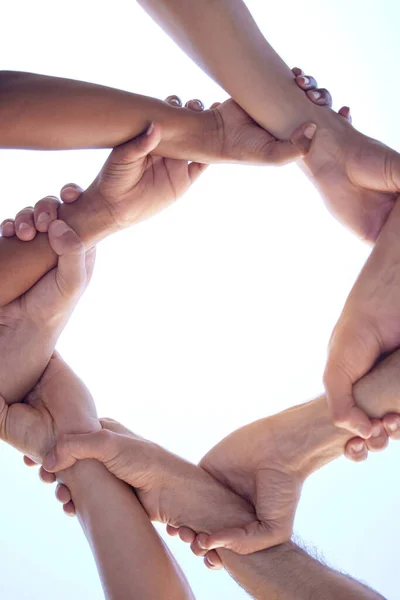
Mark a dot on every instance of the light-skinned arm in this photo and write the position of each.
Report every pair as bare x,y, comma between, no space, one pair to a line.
266,464
133,561
357,176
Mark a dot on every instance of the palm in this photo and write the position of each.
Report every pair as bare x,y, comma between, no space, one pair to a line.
355,176
59,404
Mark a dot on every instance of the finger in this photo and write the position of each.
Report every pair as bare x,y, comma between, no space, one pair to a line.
280,153
306,82
346,113
8,228
25,229
29,462
302,137
90,260
71,267
379,438
76,447
46,477
356,450
213,561
196,169
70,192
69,509
63,494
197,546
135,149
45,212
195,105
391,424
321,97
215,105
297,71
172,531
173,100
187,535
253,537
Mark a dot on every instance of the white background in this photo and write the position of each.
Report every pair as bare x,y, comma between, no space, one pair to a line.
218,311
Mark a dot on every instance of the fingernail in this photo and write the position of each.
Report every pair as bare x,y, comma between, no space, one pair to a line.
43,218
316,94
50,461
310,130
393,426
305,80
364,431
69,187
210,561
23,227
59,228
198,103
150,129
358,446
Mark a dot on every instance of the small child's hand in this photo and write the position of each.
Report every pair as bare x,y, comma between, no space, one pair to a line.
32,220
62,493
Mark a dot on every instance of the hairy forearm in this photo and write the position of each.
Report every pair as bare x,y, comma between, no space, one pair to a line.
318,441
132,560
222,37
50,113
288,573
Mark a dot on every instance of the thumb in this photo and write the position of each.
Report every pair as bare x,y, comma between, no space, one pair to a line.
3,418
137,148
71,273
280,153
253,537
303,136
71,448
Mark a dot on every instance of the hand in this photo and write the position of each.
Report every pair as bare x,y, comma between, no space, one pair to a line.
241,139
368,328
59,404
357,176
357,448
31,324
170,489
257,463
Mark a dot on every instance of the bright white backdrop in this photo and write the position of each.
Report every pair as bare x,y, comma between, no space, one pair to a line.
218,311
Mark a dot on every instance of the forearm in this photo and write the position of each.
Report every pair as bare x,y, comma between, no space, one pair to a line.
132,560
288,573
22,264
50,113
222,37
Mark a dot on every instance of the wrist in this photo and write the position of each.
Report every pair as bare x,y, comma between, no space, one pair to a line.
89,217
313,441
191,135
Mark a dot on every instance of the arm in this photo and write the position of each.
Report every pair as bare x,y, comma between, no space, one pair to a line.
132,560
286,572
223,39
283,449
50,113
357,176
